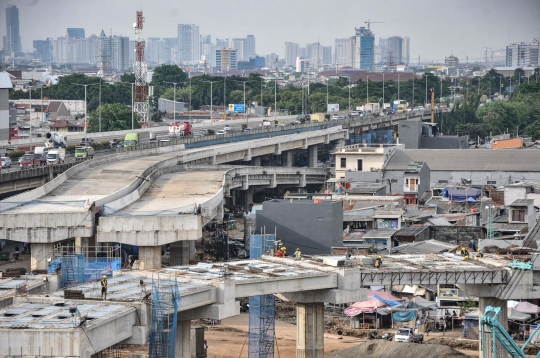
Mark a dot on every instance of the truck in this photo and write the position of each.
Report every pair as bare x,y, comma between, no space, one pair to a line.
180,129
397,103
40,154
266,124
373,107
317,117
55,140
407,335
56,156
28,160
82,153
131,140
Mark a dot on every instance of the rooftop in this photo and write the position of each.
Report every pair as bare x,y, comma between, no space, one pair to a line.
521,202
380,234
423,247
414,167
516,160
410,231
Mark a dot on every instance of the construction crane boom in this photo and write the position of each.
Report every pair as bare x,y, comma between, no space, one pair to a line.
369,22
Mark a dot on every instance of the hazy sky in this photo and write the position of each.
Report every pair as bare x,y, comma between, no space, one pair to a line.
437,28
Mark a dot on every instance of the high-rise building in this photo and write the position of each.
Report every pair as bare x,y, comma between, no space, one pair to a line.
209,53
326,55
12,40
451,61
249,47
523,54
406,47
43,50
271,60
302,65
189,43
238,44
113,51
344,49
75,33
226,59
222,43
315,54
364,49
292,51
395,49
383,49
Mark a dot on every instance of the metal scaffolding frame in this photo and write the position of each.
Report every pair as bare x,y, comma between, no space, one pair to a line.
261,308
165,301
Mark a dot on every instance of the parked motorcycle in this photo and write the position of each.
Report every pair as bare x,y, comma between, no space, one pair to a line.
387,336
374,335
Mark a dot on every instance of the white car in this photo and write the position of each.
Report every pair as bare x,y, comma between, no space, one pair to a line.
221,132
6,162
354,113
337,117
227,127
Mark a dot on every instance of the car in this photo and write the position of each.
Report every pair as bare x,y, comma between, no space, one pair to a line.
337,117
406,335
354,113
247,129
227,129
390,112
282,125
86,141
174,137
6,162
418,108
203,131
227,126
221,132
165,141
198,135
114,143
295,123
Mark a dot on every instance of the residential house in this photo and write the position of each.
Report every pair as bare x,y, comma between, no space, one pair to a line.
415,181
57,110
361,158
66,127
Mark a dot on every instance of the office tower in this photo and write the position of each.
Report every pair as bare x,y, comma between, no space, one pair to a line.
406,54
292,51
206,39
364,49
189,43
113,51
226,59
43,50
302,65
75,33
132,51
344,49
209,53
12,40
222,43
451,61
395,49
249,46
326,55
523,54
60,50
383,49
238,44
271,60
314,54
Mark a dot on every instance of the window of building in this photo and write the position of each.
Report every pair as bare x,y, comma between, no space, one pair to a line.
518,215
343,163
492,182
360,165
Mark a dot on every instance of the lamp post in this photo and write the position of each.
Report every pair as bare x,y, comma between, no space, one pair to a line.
413,91
85,108
211,103
367,92
383,91
398,82
426,90
349,78
327,83
174,99
275,97
132,105
100,104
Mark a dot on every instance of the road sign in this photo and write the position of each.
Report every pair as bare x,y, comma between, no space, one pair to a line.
239,108
333,107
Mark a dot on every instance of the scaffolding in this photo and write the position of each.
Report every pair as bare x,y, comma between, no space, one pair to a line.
261,308
80,264
165,301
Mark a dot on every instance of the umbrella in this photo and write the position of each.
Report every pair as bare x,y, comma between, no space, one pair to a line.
515,315
527,307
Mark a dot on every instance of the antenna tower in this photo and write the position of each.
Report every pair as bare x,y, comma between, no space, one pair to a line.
141,97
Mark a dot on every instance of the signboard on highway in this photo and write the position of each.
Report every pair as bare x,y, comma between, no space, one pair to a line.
237,108
333,107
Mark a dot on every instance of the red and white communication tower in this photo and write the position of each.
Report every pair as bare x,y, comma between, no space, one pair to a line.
141,94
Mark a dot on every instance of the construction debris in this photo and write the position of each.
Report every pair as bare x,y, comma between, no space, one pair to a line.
381,348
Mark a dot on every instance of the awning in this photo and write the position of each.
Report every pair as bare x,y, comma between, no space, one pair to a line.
419,302
515,315
527,307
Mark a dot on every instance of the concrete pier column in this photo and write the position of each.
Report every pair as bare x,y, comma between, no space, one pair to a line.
287,158
248,198
149,257
312,156
81,244
483,302
256,161
310,330
40,255
182,344
180,253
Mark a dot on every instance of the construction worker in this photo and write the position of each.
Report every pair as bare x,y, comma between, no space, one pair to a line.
279,253
479,255
463,251
378,261
104,287
284,249
297,254
466,255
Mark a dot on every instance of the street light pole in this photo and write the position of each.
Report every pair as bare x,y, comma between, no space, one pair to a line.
349,77
413,91
426,90
275,99
100,104
85,108
327,82
398,83
367,92
383,90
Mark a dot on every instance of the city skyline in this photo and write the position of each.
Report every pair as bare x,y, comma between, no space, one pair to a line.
479,25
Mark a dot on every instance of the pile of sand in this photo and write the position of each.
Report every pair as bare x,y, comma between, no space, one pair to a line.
385,349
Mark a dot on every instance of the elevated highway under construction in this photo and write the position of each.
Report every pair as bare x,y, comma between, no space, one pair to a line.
212,291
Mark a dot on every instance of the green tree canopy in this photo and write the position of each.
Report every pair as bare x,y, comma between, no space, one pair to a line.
114,117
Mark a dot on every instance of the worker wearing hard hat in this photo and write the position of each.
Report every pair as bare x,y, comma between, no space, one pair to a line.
104,287
280,253
378,261
297,254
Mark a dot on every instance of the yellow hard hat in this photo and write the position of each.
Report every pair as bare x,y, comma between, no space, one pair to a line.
104,276
297,249
282,249
379,257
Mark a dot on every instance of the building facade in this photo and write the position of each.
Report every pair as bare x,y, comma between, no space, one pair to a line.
188,43
395,50
249,47
364,49
406,50
75,33
12,40
292,51
113,51
226,59
344,51
523,54
43,50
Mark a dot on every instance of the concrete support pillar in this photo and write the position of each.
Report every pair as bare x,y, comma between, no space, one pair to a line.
182,344
248,198
310,330
179,253
40,255
287,158
149,257
312,156
81,245
483,302
256,161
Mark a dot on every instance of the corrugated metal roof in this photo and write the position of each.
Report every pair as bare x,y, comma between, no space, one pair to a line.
5,81
380,234
423,247
410,231
517,160
414,167
522,202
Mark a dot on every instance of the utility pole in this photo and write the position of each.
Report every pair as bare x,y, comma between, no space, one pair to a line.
100,104
85,108
432,106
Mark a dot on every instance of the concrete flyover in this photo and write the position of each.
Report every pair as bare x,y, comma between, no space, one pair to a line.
66,207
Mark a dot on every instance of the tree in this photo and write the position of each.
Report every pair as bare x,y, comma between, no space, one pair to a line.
168,73
114,117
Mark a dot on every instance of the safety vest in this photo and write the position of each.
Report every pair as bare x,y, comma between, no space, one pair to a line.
104,283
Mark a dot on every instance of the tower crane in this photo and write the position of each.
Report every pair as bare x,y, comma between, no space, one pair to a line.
369,22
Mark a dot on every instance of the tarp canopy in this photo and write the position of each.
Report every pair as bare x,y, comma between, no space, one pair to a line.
473,315
404,316
511,304
515,315
526,307
461,195
420,303
375,301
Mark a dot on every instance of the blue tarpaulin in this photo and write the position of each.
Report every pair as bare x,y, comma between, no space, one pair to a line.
404,316
388,302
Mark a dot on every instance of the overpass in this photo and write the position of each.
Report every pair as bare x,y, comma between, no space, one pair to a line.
67,206
211,291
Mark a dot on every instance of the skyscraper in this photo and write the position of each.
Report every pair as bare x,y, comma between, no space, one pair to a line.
406,54
189,43
75,32
238,44
12,40
43,50
344,49
113,51
326,55
222,43
395,49
249,47
383,49
226,59
364,49
292,51
523,54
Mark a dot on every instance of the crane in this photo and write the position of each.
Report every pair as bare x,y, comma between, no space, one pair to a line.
369,22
